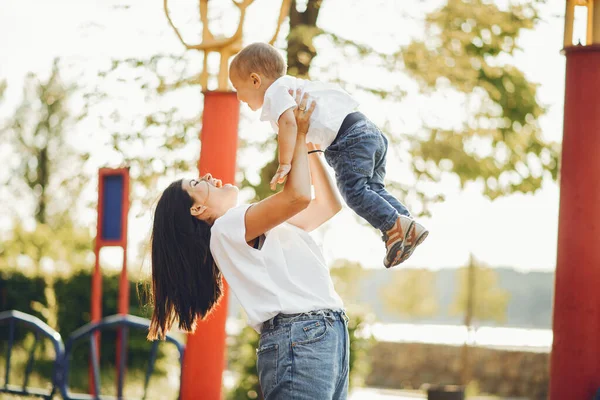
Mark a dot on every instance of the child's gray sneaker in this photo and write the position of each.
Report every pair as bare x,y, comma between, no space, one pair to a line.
395,240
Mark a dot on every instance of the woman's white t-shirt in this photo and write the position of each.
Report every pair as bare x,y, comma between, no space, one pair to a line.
287,275
333,105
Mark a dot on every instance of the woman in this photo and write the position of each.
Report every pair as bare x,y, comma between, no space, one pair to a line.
271,264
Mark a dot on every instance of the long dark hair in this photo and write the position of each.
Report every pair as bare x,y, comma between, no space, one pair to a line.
186,283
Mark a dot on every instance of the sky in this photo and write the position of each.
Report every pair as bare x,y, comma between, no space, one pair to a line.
518,231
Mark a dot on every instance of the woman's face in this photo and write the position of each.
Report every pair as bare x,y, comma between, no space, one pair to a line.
211,193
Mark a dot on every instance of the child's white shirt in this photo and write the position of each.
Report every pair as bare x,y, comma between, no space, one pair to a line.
333,105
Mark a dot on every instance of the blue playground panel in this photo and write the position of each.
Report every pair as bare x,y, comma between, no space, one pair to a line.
112,207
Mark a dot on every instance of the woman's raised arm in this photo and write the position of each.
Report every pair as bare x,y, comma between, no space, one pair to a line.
296,193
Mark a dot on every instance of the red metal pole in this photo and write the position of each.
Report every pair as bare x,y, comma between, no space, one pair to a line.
112,239
124,283
205,351
575,366
124,287
123,304
96,306
123,309
96,312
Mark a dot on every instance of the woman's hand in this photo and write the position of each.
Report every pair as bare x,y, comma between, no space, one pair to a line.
302,113
296,194
327,201
302,116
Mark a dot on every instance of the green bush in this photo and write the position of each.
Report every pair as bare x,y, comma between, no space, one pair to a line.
360,344
22,293
242,362
73,295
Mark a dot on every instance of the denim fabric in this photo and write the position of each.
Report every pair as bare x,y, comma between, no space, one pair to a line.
304,356
358,157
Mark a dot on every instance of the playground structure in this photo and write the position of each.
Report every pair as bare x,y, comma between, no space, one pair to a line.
574,366
63,354
226,47
205,361
574,372
111,230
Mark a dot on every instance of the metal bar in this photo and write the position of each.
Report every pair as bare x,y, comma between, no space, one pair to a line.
589,23
41,330
32,392
204,367
595,22
151,362
569,20
11,339
122,359
117,322
95,366
30,360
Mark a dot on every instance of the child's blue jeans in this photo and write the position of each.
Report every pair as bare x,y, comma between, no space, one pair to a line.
358,156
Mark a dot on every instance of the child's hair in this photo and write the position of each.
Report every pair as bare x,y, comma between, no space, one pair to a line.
261,58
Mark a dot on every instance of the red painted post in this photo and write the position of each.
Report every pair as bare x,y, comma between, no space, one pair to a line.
204,360
123,303
96,306
124,283
115,236
575,362
96,309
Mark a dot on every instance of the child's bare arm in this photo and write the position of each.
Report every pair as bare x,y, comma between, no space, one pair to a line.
287,140
287,136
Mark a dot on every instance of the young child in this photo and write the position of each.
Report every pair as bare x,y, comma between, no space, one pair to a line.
354,147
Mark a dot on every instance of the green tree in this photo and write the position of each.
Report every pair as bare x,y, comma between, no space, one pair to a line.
2,89
160,125
45,181
360,345
478,298
478,295
347,279
148,130
301,49
467,50
67,246
48,169
242,353
411,292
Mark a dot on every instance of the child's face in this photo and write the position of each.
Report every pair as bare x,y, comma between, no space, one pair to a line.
249,90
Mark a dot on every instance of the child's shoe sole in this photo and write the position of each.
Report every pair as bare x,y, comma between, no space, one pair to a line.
420,233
